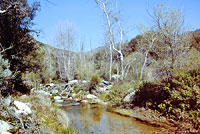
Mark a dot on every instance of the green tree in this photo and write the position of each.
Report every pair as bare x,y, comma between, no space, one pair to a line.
169,24
16,43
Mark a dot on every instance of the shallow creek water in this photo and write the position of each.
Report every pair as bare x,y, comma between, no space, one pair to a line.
96,119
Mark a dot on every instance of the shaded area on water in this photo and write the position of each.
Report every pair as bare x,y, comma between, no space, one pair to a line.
94,118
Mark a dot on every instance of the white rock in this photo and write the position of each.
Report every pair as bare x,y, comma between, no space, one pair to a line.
91,96
51,84
100,102
22,108
72,82
102,89
54,91
115,76
129,97
76,104
58,101
84,101
41,92
4,126
84,81
4,132
57,98
108,87
73,95
7,101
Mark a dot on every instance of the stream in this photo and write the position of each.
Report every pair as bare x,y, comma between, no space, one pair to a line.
96,119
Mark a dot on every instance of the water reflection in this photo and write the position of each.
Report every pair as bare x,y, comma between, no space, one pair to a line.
96,114
96,119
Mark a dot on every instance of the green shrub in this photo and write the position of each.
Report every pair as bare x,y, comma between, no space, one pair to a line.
178,98
95,80
118,92
4,68
4,75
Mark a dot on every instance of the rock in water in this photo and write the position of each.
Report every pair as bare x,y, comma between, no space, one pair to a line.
76,104
22,108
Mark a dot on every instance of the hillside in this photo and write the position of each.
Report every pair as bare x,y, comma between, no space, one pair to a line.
154,78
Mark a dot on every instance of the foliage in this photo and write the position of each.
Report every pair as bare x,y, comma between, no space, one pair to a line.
169,25
5,73
95,79
15,40
178,98
4,68
118,92
132,45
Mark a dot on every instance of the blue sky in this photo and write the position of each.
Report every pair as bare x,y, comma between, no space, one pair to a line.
88,20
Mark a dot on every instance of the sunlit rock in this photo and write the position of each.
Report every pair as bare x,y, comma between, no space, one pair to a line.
54,91
41,92
7,101
4,126
115,77
50,85
91,96
72,82
104,83
84,101
22,108
129,97
73,95
76,104
58,99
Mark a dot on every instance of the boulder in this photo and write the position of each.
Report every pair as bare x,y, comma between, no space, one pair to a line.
73,95
50,85
41,92
84,101
115,77
8,101
22,108
104,83
129,97
91,96
58,99
4,126
54,91
5,132
98,101
76,104
72,82
84,81
101,89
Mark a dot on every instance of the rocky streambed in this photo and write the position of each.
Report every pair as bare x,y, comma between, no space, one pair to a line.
90,114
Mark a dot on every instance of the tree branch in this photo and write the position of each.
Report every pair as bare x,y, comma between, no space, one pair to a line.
6,10
3,50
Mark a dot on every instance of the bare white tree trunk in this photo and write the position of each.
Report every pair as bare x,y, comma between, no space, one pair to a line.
150,39
65,40
102,4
